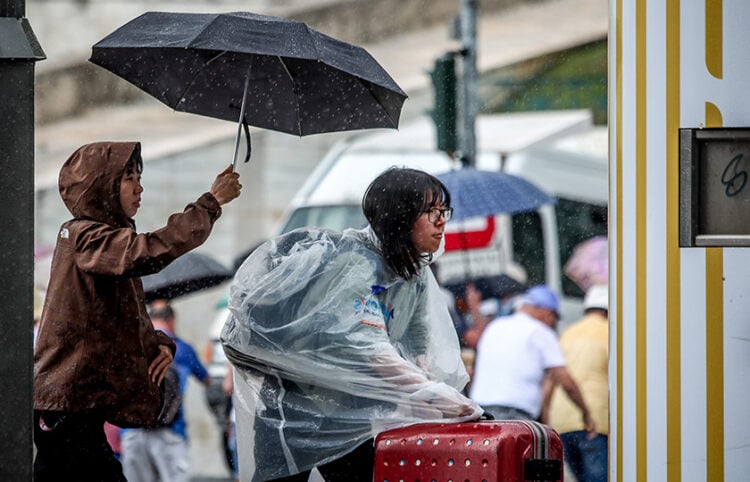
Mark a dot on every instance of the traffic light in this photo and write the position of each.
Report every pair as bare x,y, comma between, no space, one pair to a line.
444,112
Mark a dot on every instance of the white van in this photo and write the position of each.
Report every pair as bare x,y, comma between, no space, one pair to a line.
559,151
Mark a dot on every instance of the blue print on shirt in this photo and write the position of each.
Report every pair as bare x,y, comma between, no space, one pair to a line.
369,305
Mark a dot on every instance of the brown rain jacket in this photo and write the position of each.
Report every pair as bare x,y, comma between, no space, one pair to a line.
96,340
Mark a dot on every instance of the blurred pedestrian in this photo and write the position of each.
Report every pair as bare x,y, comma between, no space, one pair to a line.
487,298
459,323
336,336
585,345
473,297
485,311
97,357
515,353
162,453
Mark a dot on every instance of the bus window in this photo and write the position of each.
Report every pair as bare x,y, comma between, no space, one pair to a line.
528,246
576,222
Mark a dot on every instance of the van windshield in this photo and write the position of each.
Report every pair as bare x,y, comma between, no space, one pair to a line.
338,217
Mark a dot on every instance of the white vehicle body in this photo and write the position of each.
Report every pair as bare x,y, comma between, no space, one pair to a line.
559,151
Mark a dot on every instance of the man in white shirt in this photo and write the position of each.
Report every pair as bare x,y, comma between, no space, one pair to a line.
515,353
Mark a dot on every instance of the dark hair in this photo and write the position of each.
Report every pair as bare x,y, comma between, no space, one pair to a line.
161,312
135,163
392,204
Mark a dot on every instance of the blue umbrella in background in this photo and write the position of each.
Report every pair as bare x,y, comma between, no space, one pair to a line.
477,193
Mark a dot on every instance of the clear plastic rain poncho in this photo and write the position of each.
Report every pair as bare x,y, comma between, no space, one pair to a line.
330,348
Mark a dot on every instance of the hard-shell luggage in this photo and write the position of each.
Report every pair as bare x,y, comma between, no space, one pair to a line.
482,451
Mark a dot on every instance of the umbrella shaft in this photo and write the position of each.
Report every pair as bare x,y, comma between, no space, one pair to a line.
239,122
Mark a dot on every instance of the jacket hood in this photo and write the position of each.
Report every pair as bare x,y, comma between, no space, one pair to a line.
89,181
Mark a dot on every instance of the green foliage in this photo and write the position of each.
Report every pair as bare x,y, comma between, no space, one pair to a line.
570,79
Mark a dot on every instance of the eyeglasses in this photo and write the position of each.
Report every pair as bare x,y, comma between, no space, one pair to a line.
434,214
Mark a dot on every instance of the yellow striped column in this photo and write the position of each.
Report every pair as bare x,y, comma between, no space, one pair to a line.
680,337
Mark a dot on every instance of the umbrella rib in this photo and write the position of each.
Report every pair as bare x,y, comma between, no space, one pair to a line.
192,81
296,94
394,122
377,101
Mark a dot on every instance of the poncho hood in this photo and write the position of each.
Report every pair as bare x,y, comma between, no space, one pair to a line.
89,181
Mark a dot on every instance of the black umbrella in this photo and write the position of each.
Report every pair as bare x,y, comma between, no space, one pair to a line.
264,71
498,286
494,286
190,272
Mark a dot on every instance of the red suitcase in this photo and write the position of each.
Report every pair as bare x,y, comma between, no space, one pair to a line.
485,451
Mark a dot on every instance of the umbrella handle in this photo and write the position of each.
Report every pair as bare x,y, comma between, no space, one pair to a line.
240,123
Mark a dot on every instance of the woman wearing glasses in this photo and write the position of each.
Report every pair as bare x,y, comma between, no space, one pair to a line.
336,337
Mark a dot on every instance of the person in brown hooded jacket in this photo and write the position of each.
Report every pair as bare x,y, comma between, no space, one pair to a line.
98,357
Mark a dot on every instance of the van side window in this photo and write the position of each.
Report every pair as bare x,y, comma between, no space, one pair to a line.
528,246
336,217
576,222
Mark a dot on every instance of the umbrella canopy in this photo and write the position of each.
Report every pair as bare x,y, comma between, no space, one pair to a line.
299,81
493,286
476,193
588,265
189,273
498,286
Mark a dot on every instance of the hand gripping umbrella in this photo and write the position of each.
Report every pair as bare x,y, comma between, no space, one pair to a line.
263,71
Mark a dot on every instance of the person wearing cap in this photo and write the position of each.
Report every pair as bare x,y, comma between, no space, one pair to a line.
515,354
585,345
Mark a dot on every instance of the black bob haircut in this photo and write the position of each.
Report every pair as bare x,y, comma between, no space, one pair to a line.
392,204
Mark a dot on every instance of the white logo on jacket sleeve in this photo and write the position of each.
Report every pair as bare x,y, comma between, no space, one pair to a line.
65,234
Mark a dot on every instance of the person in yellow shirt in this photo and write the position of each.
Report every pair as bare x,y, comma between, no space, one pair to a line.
585,345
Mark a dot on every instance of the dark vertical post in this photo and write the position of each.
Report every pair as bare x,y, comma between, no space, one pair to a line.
19,50
444,112
469,99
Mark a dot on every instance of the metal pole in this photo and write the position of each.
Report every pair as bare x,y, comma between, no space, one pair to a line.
19,50
468,101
